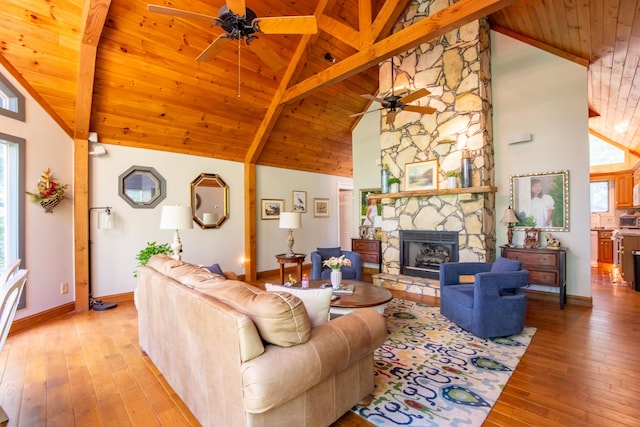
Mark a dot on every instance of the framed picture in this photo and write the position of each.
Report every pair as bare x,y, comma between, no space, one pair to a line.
271,208
421,175
369,209
362,231
321,208
299,201
541,200
532,238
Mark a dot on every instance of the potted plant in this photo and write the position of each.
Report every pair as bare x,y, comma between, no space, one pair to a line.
150,250
394,184
452,179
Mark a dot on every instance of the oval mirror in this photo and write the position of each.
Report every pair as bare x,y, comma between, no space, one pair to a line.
209,200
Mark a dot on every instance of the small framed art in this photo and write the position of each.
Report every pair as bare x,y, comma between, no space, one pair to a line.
299,201
421,175
271,208
321,208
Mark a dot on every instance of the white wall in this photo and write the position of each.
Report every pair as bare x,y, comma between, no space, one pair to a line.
48,236
534,91
275,183
366,157
113,251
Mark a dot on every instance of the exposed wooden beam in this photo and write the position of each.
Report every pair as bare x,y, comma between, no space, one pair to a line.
423,31
364,23
387,17
339,30
543,46
260,139
94,15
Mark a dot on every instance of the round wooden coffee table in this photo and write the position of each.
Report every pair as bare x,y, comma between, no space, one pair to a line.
364,295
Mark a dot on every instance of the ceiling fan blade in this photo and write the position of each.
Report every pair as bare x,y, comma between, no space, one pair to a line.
266,54
365,112
214,48
373,98
391,116
417,109
180,13
237,6
415,95
286,25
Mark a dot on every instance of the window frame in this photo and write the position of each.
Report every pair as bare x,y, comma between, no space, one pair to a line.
12,93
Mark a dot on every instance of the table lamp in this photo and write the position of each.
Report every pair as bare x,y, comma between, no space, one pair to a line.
176,218
509,218
290,220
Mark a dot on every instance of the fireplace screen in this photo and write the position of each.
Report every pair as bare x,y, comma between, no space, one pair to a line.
423,252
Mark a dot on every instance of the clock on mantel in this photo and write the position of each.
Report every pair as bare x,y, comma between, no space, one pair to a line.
439,192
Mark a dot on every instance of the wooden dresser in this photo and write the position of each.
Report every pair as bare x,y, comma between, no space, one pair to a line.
547,267
369,250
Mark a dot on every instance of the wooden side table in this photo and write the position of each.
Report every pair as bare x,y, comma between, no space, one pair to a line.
290,259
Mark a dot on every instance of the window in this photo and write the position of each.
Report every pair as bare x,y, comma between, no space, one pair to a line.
603,153
11,101
599,196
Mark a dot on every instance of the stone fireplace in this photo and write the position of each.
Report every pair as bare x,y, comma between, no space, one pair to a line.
456,69
422,252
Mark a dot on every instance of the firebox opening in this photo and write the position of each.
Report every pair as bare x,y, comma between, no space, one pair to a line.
422,252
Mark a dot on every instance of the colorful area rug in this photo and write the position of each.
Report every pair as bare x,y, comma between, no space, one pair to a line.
430,372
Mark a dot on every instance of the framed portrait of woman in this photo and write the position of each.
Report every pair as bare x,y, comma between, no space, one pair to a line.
541,200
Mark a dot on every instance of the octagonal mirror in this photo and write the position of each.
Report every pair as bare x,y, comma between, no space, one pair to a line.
209,200
141,187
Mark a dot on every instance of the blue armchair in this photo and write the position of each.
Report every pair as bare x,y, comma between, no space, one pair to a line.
319,272
493,305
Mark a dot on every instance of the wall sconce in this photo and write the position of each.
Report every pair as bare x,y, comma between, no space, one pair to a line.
329,57
105,219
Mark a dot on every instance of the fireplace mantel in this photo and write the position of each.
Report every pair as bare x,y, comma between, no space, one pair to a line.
439,192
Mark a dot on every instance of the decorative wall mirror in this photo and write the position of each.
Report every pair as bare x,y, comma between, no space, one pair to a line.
142,187
209,200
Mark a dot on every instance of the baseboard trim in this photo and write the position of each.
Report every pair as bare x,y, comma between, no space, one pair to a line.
52,313
123,297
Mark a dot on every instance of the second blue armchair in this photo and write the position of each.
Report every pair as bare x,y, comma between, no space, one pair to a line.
319,272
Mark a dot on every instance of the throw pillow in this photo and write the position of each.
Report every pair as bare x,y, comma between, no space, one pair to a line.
504,265
315,300
281,318
326,253
215,268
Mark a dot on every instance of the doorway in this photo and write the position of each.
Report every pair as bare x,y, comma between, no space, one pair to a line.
345,208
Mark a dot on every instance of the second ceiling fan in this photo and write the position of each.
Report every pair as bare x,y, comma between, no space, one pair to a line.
395,103
241,23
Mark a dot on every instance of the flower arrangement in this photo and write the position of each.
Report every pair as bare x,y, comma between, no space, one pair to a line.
336,263
49,193
453,173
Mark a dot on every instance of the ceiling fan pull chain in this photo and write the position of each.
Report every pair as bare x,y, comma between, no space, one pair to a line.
239,45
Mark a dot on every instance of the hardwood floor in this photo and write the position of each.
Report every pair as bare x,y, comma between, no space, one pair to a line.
582,368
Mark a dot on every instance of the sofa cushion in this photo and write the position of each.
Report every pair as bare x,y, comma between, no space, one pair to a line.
504,265
281,318
162,263
326,253
316,300
215,268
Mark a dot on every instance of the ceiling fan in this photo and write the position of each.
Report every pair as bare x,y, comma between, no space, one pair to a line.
241,23
395,103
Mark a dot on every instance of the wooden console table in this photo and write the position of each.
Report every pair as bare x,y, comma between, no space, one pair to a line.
546,267
369,249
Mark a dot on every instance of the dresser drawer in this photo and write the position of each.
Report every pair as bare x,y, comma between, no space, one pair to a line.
366,257
547,278
365,246
534,259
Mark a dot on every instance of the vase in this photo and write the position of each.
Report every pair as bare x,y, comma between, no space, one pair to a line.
336,279
452,182
395,187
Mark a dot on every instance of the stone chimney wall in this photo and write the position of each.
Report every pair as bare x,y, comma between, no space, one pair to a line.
456,69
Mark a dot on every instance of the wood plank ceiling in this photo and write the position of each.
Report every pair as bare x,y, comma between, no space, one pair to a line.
150,92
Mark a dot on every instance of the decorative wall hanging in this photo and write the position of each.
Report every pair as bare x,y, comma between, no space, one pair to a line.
50,193
541,200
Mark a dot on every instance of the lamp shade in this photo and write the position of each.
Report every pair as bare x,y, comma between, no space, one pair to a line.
509,216
176,218
290,220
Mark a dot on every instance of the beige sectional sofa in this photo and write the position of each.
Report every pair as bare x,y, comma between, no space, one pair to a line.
240,356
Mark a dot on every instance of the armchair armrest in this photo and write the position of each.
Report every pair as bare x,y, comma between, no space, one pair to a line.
450,272
316,265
